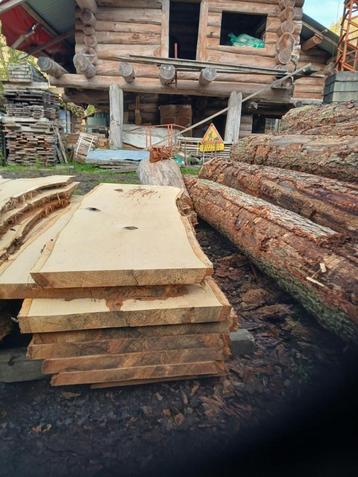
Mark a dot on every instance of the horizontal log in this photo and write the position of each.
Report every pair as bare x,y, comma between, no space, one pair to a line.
331,119
124,27
328,156
49,66
302,256
144,85
325,201
130,15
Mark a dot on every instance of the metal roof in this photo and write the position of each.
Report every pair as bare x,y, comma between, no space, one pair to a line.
59,14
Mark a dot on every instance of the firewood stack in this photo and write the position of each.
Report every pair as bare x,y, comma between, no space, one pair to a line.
24,205
299,228
117,291
30,124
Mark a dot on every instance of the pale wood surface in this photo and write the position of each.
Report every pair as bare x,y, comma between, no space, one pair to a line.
199,304
124,235
14,190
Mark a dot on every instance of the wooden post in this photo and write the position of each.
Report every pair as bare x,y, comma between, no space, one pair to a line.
207,75
166,74
116,116
126,70
233,120
49,66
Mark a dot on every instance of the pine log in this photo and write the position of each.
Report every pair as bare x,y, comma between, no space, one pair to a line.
166,74
84,65
329,119
327,156
207,75
126,70
325,201
49,66
167,173
302,256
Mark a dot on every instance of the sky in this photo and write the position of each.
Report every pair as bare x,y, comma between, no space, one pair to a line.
324,11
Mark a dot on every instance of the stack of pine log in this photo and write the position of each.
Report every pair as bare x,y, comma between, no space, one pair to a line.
117,291
299,228
30,124
24,204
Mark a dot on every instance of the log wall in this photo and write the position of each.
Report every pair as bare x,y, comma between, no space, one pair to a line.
142,27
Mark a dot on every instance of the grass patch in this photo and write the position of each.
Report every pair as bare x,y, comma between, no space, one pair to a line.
191,171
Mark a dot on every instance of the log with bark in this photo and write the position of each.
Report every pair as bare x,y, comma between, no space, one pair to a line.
325,201
303,257
167,173
328,156
328,119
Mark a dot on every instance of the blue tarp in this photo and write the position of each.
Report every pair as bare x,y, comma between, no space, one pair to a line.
109,155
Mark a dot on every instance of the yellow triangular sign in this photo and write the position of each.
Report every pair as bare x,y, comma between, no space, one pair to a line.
212,141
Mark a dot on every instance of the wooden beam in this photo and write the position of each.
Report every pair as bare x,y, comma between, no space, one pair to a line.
207,75
126,70
49,66
233,120
116,102
88,17
166,74
164,42
9,5
89,4
312,42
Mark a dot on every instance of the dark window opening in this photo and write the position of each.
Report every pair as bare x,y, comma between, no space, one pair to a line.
183,29
236,24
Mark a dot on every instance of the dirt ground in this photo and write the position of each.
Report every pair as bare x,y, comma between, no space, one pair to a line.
275,413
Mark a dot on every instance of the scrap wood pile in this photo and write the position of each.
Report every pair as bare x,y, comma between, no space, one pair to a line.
30,125
299,228
24,204
117,291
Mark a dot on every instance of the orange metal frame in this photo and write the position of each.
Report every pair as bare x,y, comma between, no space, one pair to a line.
347,54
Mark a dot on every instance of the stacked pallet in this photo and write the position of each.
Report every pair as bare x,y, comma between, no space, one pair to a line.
121,293
24,203
30,125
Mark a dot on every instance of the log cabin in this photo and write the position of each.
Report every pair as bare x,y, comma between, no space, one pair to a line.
177,61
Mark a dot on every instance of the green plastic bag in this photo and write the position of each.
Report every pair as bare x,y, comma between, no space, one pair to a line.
245,40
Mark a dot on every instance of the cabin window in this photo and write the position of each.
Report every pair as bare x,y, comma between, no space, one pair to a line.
183,29
243,29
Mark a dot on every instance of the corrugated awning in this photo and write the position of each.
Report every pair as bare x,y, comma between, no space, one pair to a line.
45,27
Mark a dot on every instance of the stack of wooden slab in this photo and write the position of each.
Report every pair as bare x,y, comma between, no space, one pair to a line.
121,293
24,202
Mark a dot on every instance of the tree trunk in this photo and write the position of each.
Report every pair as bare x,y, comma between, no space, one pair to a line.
328,156
330,119
303,257
167,173
325,201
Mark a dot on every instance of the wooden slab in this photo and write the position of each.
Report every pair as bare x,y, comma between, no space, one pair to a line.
13,238
16,281
199,304
123,345
139,373
134,332
14,215
124,235
13,191
137,382
130,360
